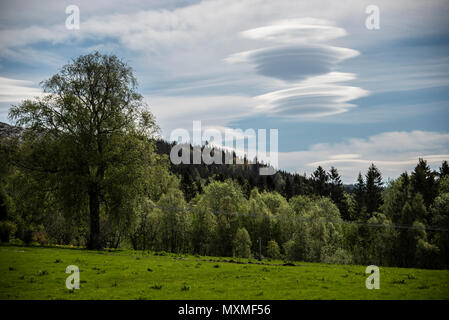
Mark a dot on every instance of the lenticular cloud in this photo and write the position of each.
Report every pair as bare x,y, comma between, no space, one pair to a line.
304,30
305,65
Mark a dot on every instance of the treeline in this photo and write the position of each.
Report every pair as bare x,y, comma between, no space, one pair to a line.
193,178
394,226
246,174
404,224
81,167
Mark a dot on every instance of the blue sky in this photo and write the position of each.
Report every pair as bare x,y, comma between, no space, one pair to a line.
338,93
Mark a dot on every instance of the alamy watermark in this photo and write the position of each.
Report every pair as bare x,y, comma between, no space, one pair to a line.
216,142
72,281
372,22
72,22
373,281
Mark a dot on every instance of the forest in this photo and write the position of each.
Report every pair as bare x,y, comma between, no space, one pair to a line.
82,166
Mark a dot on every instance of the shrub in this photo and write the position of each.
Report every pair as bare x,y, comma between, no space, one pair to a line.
273,250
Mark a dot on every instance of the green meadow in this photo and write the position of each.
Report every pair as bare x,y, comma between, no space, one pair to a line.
39,273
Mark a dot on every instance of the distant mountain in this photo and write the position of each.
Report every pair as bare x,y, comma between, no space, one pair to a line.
7,130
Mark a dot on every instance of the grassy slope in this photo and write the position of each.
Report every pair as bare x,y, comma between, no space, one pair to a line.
39,273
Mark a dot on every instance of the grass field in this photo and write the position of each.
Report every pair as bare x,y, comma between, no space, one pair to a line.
39,273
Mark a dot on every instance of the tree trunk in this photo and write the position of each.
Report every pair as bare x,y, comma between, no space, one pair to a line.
94,209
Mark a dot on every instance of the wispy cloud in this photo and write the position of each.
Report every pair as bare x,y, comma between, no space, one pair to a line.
392,152
14,90
179,111
283,67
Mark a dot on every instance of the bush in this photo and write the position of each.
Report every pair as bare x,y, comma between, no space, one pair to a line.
7,230
273,250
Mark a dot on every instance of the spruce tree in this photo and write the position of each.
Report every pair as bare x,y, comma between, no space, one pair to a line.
360,193
373,189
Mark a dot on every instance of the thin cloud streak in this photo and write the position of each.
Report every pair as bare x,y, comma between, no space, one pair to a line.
392,152
15,90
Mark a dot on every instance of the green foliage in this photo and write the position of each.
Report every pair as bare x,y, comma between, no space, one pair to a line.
419,208
423,182
339,256
223,196
175,222
394,198
273,250
204,226
374,183
226,201
360,195
145,226
242,244
289,250
440,213
301,246
444,169
274,201
87,140
300,204
350,206
320,179
4,202
426,254
259,222
443,184
86,169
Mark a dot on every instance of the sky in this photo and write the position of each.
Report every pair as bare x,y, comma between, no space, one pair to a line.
339,94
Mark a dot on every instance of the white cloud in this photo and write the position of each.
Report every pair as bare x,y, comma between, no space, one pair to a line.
302,30
165,44
14,90
391,152
230,134
174,38
314,97
214,111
